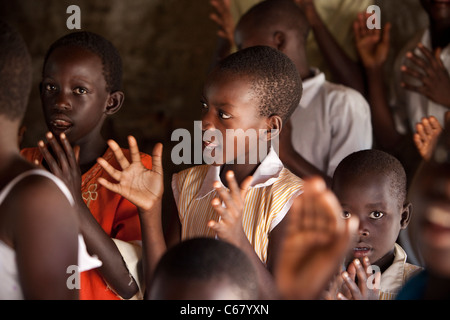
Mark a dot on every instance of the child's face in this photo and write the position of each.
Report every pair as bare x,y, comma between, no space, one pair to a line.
431,199
230,104
381,217
73,93
437,9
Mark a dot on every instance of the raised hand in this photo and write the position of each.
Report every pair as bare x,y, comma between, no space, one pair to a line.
431,72
229,227
372,44
65,166
223,18
316,241
368,287
425,138
141,186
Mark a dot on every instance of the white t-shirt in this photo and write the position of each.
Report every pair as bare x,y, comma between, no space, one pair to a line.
10,288
331,122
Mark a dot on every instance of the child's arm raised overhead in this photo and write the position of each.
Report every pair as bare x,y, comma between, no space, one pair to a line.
224,20
144,188
113,268
433,75
344,69
373,48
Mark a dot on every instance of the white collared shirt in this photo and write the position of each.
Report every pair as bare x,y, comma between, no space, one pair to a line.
331,122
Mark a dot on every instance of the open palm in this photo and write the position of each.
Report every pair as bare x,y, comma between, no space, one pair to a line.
141,186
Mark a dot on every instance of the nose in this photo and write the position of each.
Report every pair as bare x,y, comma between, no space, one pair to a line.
207,120
62,102
363,231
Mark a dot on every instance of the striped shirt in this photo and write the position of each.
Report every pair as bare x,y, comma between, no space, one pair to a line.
267,201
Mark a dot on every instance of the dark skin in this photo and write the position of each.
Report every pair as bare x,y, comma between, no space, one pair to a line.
75,103
290,43
44,240
373,47
228,104
381,214
343,68
429,229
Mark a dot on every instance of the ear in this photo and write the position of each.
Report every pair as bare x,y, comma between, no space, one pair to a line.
279,39
114,103
406,215
274,125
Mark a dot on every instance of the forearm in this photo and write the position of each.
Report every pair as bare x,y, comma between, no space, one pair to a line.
99,243
344,69
153,243
383,122
300,166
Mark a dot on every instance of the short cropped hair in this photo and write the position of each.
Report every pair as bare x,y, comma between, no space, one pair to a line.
378,162
104,49
270,13
205,259
275,80
15,73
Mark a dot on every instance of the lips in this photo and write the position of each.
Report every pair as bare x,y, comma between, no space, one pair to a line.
61,123
361,250
208,145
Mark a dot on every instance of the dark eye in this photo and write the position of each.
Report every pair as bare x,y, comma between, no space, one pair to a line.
346,215
50,87
223,115
376,215
80,90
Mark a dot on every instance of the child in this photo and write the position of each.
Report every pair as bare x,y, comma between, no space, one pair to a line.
430,195
330,46
39,238
254,90
421,68
315,243
332,118
204,269
371,185
81,83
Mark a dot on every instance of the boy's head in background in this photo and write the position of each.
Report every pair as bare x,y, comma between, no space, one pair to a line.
81,85
204,269
279,24
15,74
253,90
371,184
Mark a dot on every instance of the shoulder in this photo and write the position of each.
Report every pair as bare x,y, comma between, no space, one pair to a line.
286,185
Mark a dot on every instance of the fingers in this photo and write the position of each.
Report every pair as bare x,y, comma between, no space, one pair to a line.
115,174
157,158
118,153
134,149
66,158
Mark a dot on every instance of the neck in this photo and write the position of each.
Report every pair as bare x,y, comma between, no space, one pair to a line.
440,34
90,150
385,261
